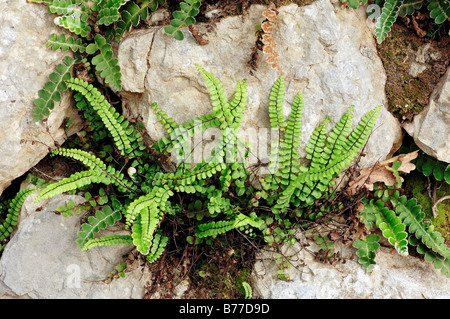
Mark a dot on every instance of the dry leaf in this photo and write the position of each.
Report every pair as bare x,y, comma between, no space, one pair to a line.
382,172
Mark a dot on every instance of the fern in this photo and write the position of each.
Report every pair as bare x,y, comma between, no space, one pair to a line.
75,181
51,92
107,241
157,247
220,106
8,222
98,167
132,13
145,226
60,42
406,221
439,10
247,290
102,219
289,157
76,23
366,251
114,122
108,11
439,262
409,7
65,7
105,63
215,228
387,18
391,227
329,155
182,18
413,217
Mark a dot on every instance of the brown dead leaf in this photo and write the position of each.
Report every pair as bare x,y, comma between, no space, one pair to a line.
382,172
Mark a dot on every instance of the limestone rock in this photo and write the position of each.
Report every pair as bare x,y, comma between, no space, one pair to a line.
25,64
431,128
394,276
43,261
330,56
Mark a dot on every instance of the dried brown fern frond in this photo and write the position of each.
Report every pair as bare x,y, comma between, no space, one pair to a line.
265,41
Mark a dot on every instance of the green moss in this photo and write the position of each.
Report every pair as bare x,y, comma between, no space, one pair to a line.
406,95
221,284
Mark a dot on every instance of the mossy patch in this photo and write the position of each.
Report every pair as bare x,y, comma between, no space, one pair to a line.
407,95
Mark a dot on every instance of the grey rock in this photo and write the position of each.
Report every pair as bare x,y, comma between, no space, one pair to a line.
394,276
330,56
25,64
431,128
42,260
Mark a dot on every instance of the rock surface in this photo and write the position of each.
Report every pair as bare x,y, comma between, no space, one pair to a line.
394,276
43,261
327,53
431,128
25,64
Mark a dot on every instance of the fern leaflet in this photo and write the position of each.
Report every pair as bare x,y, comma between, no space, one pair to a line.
14,206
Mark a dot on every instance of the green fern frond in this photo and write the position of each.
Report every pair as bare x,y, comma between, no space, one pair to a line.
105,64
238,104
169,123
145,225
98,166
316,143
409,7
366,251
215,228
439,10
413,217
102,219
353,144
107,241
114,122
156,200
108,11
14,207
157,247
60,42
387,18
219,101
51,92
439,262
392,227
132,13
182,18
247,290
65,7
289,157
74,181
76,23
276,98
